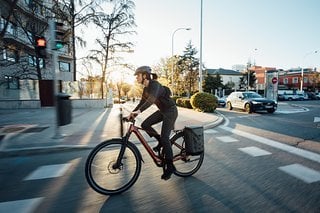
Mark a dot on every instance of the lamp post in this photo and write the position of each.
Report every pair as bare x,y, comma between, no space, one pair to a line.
200,64
172,43
301,82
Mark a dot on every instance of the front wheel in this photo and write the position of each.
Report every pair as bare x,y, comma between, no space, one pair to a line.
271,110
186,165
248,108
102,173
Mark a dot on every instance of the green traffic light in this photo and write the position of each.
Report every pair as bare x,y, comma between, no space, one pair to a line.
59,45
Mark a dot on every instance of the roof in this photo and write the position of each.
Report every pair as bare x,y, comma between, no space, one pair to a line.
221,71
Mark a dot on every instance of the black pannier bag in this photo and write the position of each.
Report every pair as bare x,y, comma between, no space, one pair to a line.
193,136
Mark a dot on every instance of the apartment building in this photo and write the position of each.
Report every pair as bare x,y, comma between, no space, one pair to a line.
20,24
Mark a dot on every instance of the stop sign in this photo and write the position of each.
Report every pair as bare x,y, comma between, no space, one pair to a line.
274,80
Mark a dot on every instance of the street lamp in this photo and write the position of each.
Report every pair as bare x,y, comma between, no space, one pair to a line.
172,43
200,64
301,82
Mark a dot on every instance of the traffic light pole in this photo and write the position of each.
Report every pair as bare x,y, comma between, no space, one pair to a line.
52,48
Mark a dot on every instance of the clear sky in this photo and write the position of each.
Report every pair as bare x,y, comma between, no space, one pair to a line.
273,33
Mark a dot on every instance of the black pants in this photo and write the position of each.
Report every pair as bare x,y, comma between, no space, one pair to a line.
168,119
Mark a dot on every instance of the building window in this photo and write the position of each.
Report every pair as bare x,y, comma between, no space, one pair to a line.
295,80
10,55
305,80
285,81
12,83
64,66
32,61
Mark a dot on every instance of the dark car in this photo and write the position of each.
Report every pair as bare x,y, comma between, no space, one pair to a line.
221,101
250,102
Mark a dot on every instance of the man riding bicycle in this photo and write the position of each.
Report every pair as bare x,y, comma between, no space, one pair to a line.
155,93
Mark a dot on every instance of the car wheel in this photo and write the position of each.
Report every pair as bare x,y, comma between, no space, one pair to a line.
229,106
271,110
248,108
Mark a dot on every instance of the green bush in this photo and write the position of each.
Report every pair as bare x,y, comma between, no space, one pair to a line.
204,102
184,102
175,97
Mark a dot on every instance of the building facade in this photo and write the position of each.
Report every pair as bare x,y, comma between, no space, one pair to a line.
20,24
292,79
227,76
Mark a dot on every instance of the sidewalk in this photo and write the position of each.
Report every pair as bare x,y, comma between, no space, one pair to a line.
34,130
26,131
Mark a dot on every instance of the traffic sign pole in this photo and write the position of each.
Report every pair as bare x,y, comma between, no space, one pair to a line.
57,134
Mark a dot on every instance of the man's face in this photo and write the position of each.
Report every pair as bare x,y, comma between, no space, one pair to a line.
139,78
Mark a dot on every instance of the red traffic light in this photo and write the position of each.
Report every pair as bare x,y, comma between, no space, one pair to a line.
41,42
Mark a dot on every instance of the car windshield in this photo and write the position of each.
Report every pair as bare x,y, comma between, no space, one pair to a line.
251,95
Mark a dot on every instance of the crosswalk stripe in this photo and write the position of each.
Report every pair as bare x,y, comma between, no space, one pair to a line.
210,131
49,171
301,172
23,206
227,139
255,151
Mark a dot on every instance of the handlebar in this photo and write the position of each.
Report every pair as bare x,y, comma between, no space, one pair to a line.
125,119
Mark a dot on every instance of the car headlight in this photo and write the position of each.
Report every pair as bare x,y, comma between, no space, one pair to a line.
255,102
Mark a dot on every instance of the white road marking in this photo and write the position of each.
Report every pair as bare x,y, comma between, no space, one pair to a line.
255,151
290,149
301,172
49,171
316,119
227,139
23,206
210,131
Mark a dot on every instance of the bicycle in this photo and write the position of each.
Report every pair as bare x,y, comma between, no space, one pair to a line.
114,165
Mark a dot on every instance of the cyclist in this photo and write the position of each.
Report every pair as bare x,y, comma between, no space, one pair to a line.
155,93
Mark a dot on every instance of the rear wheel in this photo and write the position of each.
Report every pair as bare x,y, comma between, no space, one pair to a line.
101,171
186,165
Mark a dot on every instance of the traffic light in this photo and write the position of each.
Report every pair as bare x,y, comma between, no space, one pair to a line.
40,46
59,36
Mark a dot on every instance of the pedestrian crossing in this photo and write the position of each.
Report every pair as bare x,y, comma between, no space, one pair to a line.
30,205
296,169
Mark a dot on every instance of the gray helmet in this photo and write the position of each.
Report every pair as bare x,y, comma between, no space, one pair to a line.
143,69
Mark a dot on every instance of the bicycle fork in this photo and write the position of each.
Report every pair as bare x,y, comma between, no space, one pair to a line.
125,140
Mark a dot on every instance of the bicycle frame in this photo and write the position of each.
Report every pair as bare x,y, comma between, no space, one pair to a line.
134,129
158,160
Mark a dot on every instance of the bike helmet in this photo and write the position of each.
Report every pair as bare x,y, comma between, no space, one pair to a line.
143,69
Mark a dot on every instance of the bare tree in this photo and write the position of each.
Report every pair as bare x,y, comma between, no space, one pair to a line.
76,14
115,26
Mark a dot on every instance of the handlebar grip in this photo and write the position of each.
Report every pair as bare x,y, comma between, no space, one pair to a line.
125,119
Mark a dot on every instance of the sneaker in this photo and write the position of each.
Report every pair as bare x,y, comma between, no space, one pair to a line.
168,171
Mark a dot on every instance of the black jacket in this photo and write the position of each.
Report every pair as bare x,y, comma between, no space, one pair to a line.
156,94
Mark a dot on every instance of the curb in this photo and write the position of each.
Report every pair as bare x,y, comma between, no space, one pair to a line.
59,148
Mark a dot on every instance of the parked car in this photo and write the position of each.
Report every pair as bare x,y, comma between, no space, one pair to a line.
250,102
313,96
221,101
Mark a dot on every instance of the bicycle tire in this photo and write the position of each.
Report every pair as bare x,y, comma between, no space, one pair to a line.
99,172
188,164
